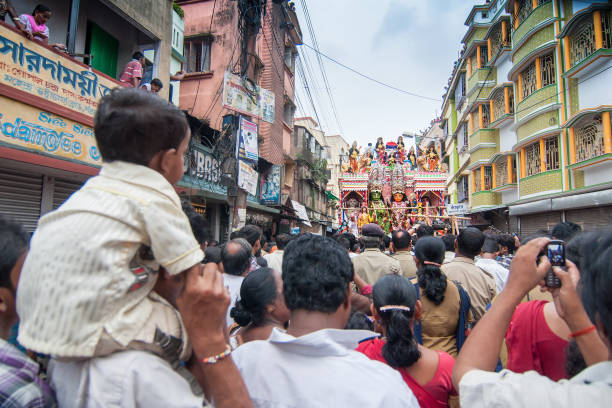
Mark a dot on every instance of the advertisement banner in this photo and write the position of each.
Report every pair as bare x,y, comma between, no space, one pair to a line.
270,187
36,70
28,128
456,209
247,177
247,141
256,101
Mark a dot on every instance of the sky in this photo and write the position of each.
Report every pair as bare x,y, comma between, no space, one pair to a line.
410,44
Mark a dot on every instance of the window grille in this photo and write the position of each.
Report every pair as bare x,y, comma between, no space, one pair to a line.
589,142
197,54
511,98
462,189
477,184
474,60
551,146
484,56
548,70
462,138
528,77
606,28
499,104
532,157
501,172
496,39
488,178
460,90
582,40
540,2
524,9
486,117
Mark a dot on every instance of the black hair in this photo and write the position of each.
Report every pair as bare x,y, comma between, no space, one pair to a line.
258,290
507,240
157,82
596,277
199,225
282,240
251,233
234,235
469,242
449,242
386,242
13,242
212,254
401,239
573,249
534,236
214,242
344,243
137,55
490,246
316,274
359,321
401,348
40,8
371,242
424,230
430,278
133,126
565,230
351,238
574,361
236,262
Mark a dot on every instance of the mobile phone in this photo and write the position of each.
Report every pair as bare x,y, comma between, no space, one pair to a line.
555,251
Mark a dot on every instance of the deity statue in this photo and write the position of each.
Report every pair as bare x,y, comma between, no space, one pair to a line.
378,207
392,161
399,210
413,203
381,151
353,154
364,218
412,160
432,158
401,150
366,160
353,226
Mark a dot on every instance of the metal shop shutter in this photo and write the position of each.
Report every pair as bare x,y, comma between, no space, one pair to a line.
20,197
591,218
531,223
64,189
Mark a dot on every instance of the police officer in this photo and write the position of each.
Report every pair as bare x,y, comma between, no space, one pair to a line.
371,264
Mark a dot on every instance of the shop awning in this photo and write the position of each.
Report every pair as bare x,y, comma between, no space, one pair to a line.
331,196
261,207
300,211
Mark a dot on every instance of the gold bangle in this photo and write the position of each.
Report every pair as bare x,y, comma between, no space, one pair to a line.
16,19
220,356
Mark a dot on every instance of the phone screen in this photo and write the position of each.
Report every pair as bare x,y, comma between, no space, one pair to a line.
556,253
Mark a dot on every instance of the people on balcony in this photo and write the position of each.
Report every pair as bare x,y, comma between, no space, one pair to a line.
34,26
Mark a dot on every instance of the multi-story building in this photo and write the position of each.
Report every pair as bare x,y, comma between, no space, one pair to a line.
337,150
48,98
243,50
527,115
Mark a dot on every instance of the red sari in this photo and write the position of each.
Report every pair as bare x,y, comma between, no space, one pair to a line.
532,345
435,393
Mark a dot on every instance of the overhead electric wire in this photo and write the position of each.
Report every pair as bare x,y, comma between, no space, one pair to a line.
300,70
212,17
373,79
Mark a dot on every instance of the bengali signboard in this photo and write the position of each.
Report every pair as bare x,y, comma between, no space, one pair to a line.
25,127
202,170
456,209
247,177
246,147
270,188
34,69
255,101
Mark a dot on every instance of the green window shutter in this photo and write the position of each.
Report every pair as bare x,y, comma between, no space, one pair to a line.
104,49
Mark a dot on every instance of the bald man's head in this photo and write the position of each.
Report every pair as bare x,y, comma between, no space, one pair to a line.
236,257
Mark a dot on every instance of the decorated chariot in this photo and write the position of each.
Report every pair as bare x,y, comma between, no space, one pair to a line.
393,188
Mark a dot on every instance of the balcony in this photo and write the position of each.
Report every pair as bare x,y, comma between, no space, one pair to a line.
589,142
485,199
541,182
544,38
547,121
540,14
480,77
538,99
475,33
484,138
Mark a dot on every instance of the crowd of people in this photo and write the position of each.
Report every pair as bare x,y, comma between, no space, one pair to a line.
120,298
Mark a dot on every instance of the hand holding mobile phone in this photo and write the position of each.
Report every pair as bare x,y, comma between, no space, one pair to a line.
555,251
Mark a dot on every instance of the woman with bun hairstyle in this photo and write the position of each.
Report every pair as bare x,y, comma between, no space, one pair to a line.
260,308
427,372
439,296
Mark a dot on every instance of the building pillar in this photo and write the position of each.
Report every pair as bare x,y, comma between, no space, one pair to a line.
480,118
607,128
598,30
516,21
534,4
471,123
73,21
542,156
510,169
523,164
469,66
519,90
493,177
482,178
572,146
491,118
566,53
507,100
504,32
473,181
538,66
489,51
478,57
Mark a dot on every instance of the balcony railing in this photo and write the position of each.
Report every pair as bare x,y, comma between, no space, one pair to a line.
589,142
499,104
501,172
582,38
